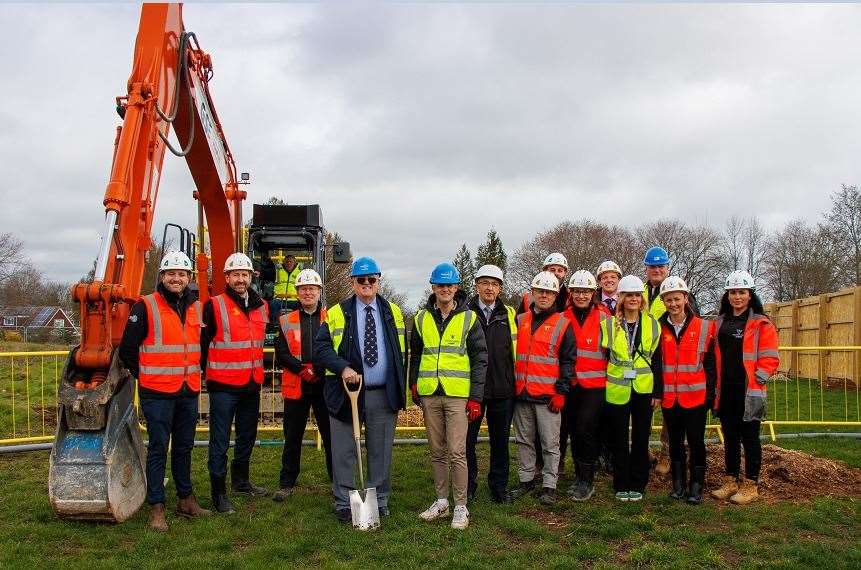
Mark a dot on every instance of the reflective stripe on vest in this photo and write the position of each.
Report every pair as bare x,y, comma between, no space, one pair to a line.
236,352
170,354
444,359
336,322
291,328
536,368
684,376
590,368
615,339
760,359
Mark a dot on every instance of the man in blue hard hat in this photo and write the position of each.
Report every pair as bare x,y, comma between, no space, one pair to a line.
364,334
448,363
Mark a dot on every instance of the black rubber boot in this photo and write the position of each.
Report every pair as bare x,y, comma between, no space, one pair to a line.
695,493
220,502
524,488
240,484
585,486
678,471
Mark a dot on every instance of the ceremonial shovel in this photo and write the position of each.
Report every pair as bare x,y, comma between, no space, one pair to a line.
366,512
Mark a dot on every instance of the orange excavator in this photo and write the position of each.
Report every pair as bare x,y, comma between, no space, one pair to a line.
98,459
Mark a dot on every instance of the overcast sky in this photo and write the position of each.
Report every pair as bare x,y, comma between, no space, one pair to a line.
418,127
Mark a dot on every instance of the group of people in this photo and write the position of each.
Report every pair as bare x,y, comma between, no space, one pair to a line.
586,357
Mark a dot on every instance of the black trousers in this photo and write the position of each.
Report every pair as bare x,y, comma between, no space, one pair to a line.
686,423
583,410
295,421
630,462
565,430
737,432
499,412
223,408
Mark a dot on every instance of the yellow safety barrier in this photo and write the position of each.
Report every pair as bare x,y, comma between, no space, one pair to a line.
29,382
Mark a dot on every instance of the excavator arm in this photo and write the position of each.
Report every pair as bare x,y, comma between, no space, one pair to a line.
97,462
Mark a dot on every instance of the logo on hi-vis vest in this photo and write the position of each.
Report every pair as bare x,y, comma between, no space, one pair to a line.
547,327
235,311
588,342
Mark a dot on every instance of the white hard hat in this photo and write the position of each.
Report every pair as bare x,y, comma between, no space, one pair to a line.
582,279
630,284
673,283
309,277
608,266
175,260
555,259
545,280
739,280
238,261
489,271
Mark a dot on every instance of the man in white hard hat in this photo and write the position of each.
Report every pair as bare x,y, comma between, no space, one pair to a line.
608,275
542,374
232,357
500,331
557,264
168,381
301,381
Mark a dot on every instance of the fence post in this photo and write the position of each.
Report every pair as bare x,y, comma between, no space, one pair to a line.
793,341
856,338
822,338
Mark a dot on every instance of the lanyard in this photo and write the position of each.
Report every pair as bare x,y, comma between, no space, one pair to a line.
632,336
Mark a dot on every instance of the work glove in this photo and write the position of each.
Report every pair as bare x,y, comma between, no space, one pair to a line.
473,410
415,391
307,374
557,402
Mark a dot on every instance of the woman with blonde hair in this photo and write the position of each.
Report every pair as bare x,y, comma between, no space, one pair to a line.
634,386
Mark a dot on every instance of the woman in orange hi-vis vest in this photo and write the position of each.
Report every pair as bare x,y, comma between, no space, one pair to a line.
746,356
687,350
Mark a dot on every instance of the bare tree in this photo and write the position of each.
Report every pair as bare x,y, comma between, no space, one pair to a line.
800,262
844,224
12,260
337,275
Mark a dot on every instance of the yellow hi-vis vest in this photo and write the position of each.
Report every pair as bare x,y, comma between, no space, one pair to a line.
656,308
336,322
285,283
615,339
444,360
512,326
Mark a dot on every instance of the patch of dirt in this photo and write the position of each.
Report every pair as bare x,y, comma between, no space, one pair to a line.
49,413
547,518
411,417
786,475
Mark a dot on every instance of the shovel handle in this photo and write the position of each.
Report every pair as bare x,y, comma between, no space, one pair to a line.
353,395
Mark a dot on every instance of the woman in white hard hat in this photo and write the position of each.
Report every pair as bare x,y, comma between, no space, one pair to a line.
632,341
687,351
746,356
585,401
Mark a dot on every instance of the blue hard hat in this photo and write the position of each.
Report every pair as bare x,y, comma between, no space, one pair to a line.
365,266
445,274
656,255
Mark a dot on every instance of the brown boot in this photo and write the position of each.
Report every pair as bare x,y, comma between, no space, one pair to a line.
156,518
747,493
728,489
189,508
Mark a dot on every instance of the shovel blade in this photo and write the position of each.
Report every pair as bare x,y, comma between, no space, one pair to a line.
366,512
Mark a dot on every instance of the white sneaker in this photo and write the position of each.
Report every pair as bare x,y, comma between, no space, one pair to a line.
460,520
437,510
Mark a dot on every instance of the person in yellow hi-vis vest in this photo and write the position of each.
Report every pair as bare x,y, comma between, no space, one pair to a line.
448,363
634,386
285,284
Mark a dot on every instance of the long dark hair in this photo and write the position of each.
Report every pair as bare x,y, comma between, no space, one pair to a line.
755,304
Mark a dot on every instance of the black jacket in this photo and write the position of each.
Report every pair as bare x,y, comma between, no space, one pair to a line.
210,329
475,347
499,381
349,354
567,356
137,329
709,363
309,325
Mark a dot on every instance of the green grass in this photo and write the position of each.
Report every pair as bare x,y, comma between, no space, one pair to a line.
304,533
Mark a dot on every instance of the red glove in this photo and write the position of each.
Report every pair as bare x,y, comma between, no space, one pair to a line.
307,374
415,391
557,402
473,410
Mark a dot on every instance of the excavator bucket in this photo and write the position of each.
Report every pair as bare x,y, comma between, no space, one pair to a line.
97,465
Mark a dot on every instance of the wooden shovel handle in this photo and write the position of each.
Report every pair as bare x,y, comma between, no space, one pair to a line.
354,405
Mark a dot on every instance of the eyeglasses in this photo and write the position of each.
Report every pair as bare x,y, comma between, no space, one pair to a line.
366,280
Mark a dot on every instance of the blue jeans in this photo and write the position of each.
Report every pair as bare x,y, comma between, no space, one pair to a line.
170,419
223,407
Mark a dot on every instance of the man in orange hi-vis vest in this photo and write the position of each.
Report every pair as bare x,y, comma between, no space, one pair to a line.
301,381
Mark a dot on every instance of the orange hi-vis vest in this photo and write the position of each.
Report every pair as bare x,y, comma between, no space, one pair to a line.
590,368
536,369
760,360
291,328
170,354
236,353
684,375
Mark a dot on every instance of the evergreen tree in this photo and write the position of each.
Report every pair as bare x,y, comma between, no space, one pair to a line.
491,252
466,268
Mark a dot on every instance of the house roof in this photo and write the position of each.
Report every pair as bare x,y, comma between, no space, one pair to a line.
32,316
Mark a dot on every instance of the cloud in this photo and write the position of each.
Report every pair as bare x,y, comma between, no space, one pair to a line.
418,127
